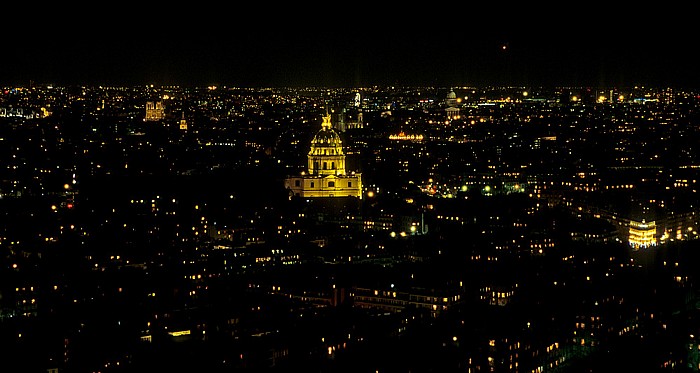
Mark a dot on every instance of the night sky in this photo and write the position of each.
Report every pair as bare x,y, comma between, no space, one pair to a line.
353,45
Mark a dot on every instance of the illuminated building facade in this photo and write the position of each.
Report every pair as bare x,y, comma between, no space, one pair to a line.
183,123
406,137
155,111
452,110
642,234
358,121
326,175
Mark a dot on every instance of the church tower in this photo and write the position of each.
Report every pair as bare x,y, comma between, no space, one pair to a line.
183,122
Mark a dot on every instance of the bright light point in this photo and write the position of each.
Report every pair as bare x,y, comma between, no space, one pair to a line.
370,194
464,188
392,234
66,186
525,94
454,338
413,228
487,188
574,98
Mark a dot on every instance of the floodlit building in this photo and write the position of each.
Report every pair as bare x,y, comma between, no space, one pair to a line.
183,123
155,111
642,234
451,101
326,176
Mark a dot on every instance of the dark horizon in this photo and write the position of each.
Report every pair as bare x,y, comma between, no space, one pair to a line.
356,50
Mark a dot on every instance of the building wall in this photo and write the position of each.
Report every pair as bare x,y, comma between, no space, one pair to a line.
331,186
393,301
327,164
154,111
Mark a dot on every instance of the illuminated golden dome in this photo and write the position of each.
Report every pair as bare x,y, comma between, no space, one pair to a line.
326,175
326,155
326,139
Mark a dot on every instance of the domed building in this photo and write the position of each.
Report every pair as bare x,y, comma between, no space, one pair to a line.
326,176
451,102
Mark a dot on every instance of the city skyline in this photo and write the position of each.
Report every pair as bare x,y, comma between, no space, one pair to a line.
466,229
349,188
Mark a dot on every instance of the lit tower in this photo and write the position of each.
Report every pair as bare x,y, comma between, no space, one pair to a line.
183,122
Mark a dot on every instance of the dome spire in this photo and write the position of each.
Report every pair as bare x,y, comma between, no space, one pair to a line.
326,121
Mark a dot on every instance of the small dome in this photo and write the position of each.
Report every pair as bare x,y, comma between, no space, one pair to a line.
452,94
